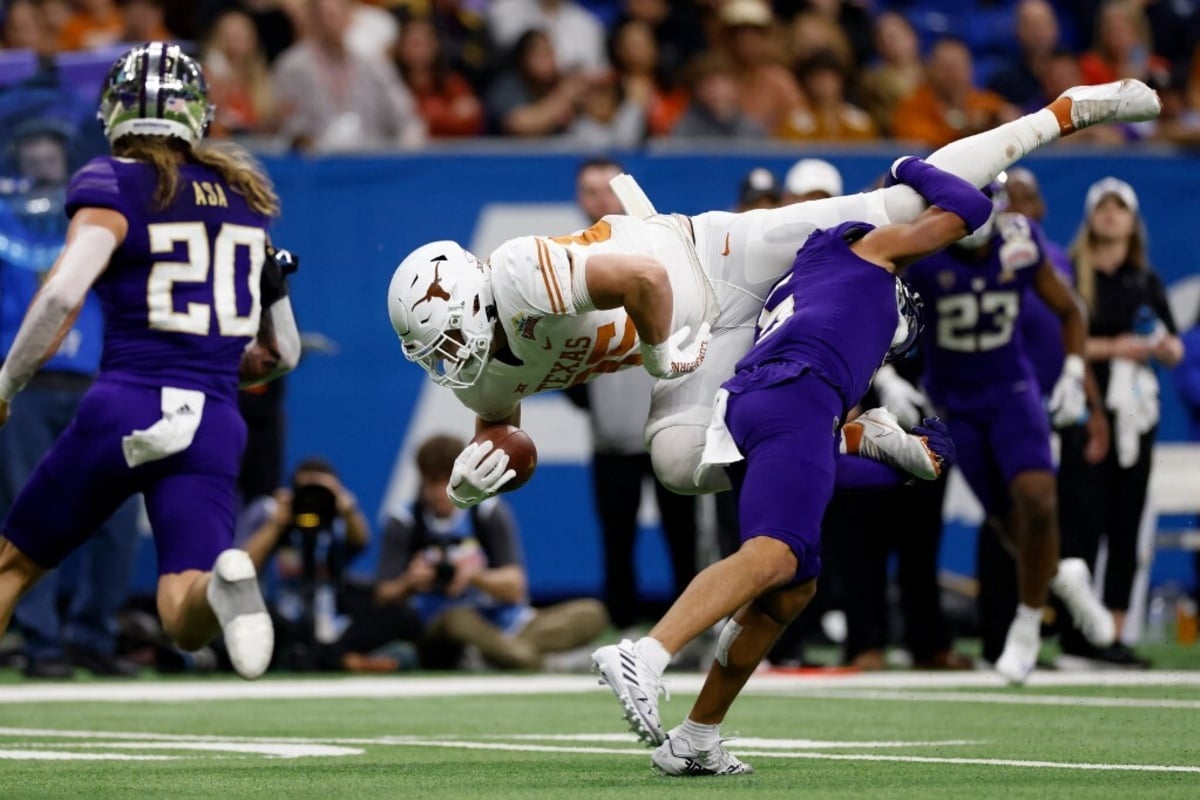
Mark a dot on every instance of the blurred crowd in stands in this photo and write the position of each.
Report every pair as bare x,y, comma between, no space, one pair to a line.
333,75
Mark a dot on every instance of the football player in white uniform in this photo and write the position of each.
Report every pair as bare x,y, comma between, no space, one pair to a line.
678,295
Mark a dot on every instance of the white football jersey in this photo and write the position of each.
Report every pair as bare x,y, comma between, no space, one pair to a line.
540,290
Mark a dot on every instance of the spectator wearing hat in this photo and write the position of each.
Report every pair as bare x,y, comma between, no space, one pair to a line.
759,189
767,91
828,116
811,179
1130,330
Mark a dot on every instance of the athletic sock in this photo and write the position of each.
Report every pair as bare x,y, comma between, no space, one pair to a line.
654,654
700,737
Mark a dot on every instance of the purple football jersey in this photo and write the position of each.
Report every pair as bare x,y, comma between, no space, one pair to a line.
972,301
181,294
833,314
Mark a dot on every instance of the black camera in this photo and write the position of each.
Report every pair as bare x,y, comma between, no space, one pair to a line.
444,572
314,508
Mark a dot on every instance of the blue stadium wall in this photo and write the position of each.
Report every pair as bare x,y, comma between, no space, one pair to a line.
353,219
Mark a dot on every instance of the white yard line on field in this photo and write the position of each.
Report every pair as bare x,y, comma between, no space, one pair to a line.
495,685
297,747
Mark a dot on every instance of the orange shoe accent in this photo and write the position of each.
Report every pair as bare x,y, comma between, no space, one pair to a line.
1061,109
852,432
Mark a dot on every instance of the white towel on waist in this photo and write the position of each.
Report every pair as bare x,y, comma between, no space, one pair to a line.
1133,398
182,411
720,450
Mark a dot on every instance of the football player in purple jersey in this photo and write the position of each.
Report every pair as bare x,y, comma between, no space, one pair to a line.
978,374
825,327
172,236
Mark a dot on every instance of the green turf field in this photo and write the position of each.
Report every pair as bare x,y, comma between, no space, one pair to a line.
898,735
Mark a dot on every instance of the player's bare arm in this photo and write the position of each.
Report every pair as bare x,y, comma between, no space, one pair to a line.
895,246
637,283
641,286
1066,305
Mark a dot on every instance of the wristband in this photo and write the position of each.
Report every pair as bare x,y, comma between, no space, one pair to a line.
946,191
656,358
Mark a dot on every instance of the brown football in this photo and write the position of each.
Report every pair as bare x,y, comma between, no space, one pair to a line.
522,453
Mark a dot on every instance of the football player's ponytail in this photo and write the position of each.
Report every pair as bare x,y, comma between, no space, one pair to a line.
163,153
243,174
235,166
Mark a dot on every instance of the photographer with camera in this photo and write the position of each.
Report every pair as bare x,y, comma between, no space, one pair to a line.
462,572
308,532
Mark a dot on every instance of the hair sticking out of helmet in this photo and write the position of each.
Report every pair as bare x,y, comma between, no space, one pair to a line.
155,90
440,304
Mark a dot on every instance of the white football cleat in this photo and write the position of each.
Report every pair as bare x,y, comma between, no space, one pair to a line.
635,685
1021,647
238,604
1127,100
678,756
1073,585
876,434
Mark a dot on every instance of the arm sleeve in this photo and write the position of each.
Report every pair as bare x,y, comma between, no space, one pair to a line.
946,191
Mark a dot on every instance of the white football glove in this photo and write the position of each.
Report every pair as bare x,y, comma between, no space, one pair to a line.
900,397
479,472
1068,400
672,359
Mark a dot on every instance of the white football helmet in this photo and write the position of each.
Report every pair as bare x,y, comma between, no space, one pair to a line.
440,303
